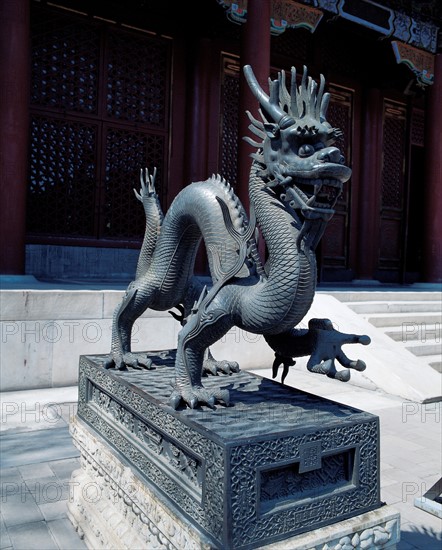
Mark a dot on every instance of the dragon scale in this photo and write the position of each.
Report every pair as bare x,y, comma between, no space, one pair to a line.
283,297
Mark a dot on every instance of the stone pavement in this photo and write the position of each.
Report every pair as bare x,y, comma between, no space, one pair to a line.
37,458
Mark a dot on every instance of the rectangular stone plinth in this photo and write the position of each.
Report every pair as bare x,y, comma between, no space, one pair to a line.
276,463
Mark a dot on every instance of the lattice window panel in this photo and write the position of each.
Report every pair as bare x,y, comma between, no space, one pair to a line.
394,140
390,245
65,62
61,195
339,115
293,44
87,76
418,128
137,79
230,117
335,244
336,55
126,152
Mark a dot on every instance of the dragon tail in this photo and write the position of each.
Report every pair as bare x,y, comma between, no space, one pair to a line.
154,219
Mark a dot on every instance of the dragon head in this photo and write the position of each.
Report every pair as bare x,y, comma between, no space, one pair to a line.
296,148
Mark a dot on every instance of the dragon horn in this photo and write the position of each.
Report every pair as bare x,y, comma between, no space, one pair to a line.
269,105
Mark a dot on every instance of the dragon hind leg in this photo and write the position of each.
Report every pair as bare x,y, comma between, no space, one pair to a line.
135,301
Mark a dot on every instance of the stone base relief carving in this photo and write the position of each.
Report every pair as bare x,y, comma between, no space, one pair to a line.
275,464
112,508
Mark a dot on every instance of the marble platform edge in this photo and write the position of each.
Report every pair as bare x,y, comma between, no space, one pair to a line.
378,529
429,505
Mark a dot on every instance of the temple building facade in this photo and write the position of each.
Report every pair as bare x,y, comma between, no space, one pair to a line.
94,91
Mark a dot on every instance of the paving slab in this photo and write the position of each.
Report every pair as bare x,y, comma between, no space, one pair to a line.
9,479
32,535
422,531
65,535
48,489
63,468
5,541
37,409
36,447
35,471
20,508
54,510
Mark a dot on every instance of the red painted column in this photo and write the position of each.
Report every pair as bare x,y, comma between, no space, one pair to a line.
197,125
255,51
14,130
432,216
199,115
370,185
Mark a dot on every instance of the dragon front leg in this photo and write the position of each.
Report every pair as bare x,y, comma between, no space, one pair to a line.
211,366
202,329
324,345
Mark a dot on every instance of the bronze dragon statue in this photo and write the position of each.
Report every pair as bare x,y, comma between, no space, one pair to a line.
295,180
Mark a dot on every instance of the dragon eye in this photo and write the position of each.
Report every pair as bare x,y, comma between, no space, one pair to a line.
306,150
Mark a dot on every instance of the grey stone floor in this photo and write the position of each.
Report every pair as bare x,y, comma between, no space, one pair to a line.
37,458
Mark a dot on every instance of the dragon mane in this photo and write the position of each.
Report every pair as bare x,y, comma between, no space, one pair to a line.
304,108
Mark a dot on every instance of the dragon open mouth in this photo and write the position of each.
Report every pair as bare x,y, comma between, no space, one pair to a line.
315,198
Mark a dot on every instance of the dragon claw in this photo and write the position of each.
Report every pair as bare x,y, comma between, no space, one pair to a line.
342,375
211,401
228,367
121,367
193,403
321,368
358,365
210,368
174,400
224,395
192,397
109,363
123,361
286,362
328,344
214,367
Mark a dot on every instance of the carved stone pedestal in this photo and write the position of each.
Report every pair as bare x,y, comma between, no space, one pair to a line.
113,509
278,463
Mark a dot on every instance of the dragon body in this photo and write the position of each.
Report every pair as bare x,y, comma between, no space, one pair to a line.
295,179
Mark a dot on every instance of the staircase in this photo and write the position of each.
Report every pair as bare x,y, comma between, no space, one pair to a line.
413,318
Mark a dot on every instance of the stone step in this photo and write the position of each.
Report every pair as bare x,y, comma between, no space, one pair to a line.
422,349
413,319
425,332
435,361
395,306
385,295
392,320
